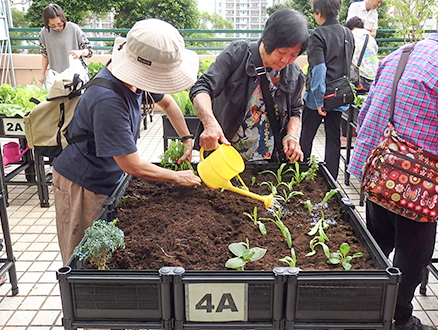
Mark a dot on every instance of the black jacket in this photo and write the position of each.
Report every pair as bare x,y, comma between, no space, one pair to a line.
326,45
231,80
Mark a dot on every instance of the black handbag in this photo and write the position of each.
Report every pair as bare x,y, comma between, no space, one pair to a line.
338,91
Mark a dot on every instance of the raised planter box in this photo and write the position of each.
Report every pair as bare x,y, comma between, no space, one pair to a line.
284,298
169,132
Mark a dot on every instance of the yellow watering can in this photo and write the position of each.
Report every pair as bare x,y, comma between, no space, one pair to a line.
221,166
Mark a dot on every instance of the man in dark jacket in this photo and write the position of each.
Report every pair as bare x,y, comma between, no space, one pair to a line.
229,101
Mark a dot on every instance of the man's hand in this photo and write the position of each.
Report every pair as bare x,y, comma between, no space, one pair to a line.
211,135
188,178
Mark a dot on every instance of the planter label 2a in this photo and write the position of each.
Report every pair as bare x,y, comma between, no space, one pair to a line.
13,126
216,302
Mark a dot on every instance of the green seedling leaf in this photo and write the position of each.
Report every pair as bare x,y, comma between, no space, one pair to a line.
308,205
238,249
245,254
235,263
344,248
257,254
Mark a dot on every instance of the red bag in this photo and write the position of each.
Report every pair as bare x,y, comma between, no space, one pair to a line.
398,175
402,178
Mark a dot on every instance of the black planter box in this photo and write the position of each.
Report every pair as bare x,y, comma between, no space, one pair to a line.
284,298
169,132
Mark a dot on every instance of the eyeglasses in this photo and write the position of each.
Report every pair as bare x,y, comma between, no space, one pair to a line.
56,25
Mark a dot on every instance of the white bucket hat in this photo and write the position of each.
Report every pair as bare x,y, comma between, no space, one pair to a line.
153,58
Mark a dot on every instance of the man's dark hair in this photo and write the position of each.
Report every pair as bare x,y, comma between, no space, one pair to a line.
327,8
354,22
52,11
285,28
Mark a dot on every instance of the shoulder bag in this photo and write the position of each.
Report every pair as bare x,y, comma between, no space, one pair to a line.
338,91
354,68
278,130
398,175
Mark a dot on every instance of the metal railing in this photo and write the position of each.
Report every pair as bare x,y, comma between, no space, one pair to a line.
102,39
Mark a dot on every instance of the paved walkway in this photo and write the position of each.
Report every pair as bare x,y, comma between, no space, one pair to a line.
38,305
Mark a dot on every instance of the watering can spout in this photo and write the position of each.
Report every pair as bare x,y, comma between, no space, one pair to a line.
267,199
221,166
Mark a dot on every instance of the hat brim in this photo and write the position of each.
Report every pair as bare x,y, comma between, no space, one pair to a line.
148,78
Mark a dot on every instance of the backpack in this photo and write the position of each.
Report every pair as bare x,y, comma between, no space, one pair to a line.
46,125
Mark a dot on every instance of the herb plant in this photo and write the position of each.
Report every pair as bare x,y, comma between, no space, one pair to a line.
170,157
342,257
243,254
258,223
102,239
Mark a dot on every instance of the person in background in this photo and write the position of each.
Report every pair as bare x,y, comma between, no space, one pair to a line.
228,98
368,65
416,121
366,10
328,45
370,60
58,39
151,58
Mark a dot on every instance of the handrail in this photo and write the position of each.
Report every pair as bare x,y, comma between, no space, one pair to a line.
385,36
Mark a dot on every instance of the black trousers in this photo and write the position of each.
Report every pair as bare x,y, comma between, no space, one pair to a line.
311,120
413,243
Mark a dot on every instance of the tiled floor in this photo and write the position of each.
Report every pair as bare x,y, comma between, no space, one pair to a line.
38,306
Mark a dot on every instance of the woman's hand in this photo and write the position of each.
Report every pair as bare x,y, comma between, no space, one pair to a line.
79,53
292,149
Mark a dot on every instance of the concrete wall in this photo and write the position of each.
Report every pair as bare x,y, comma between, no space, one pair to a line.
27,66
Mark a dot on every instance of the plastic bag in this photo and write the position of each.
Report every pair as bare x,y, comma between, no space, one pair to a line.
75,66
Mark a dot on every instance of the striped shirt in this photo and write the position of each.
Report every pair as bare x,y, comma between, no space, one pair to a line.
416,106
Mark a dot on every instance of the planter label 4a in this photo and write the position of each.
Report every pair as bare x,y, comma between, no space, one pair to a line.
13,126
216,302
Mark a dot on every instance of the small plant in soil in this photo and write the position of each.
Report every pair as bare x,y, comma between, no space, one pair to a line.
243,254
284,230
318,240
291,260
279,174
288,195
170,157
254,218
102,239
342,257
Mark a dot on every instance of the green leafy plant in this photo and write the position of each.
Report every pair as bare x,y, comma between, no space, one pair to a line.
169,158
15,101
243,254
204,64
185,104
311,173
288,195
279,174
318,240
283,228
291,260
342,257
320,228
102,239
308,205
327,196
258,223
94,68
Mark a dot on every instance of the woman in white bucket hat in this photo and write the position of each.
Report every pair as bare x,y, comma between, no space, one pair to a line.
151,58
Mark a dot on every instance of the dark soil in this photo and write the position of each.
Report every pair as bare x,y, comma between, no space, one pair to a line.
170,225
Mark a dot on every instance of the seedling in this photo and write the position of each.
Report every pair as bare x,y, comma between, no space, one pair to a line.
243,254
313,168
271,186
258,223
341,256
291,260
308,205
279,175
170,157
318,240
288,195
284,230
320,228
102,239
327,196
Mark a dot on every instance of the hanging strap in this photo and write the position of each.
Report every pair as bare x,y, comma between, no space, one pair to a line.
347,65
362,52
400,68
267,97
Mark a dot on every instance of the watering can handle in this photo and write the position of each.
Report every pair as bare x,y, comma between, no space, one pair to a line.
201,153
